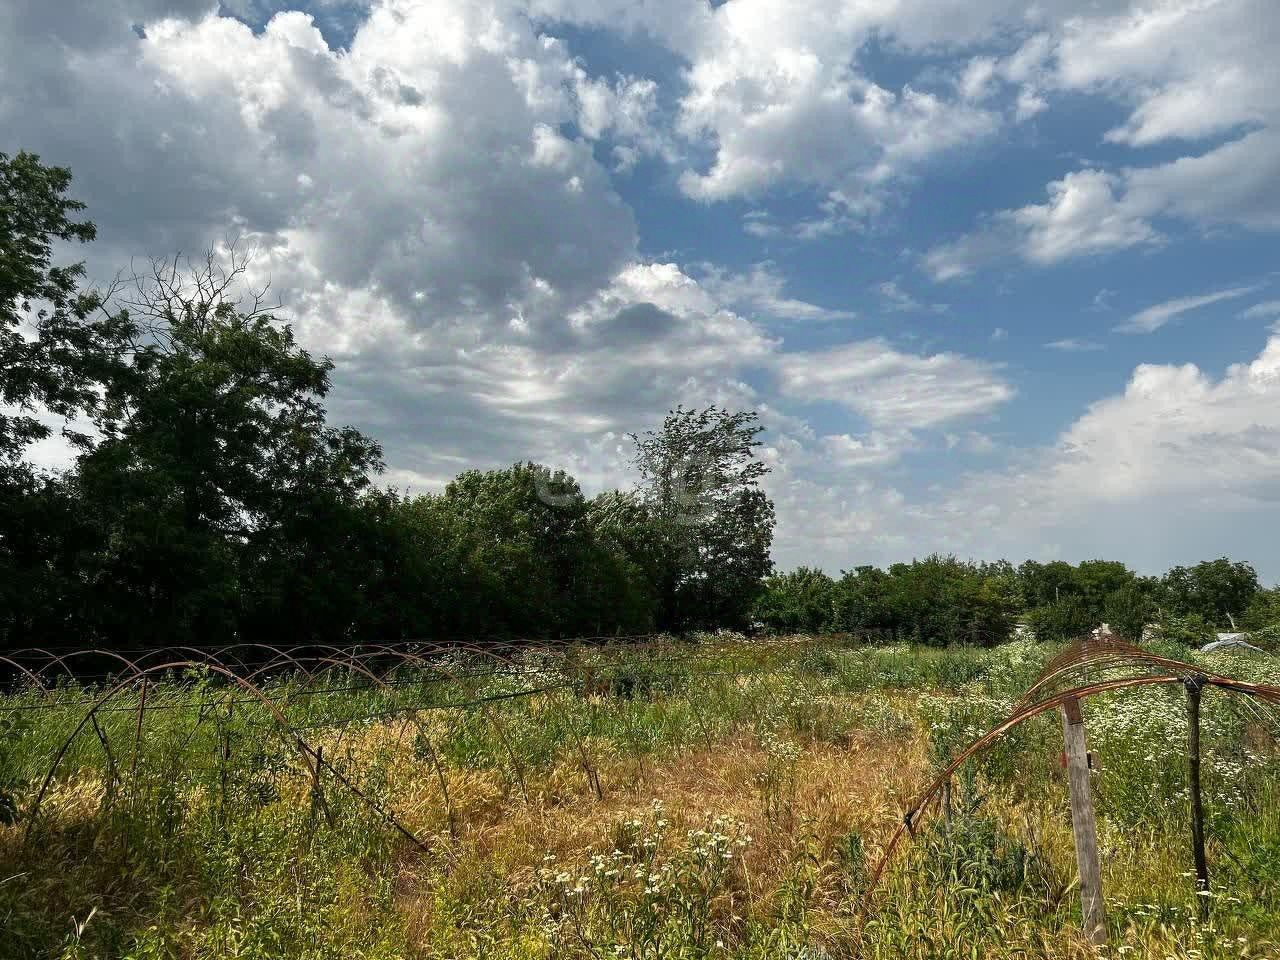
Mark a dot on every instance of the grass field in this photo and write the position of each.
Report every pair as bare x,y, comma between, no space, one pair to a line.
707,799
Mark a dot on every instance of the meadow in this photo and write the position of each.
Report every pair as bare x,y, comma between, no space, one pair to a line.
714,797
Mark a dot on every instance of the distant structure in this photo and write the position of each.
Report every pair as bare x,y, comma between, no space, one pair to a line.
1231,641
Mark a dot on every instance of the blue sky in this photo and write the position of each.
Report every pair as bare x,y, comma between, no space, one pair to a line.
1000,277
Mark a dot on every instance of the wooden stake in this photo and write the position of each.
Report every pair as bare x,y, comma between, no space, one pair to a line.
1194,685
1083,824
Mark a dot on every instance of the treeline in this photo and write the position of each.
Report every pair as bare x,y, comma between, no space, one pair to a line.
943,601
211,502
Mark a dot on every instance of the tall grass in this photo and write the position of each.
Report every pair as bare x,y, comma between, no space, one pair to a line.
682,801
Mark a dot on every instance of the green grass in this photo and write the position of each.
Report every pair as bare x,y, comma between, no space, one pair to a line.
691,800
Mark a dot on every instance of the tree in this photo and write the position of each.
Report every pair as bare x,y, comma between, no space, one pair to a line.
796,602
215,455
1067,618
46,533
1219,590
56,351
56,347
520,554
710,523
1043,583
1097,580
939,600
861,601
1127,611
1263,610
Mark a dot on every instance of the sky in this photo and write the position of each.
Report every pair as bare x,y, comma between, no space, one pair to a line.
1000,277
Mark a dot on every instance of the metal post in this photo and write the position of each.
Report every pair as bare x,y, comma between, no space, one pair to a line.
1083,824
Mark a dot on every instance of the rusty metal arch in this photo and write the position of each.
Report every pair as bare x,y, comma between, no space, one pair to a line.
1107,654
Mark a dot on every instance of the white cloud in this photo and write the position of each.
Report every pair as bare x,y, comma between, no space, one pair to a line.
1176,442
1074,345
1176,430
776,91
877,448
1156,316
761,291
1191,68
1188,71
895,389
1030,103
899,300
1262,311
1082,216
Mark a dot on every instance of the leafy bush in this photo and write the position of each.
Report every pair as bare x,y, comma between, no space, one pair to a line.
1179,634
796,602
1065,619
1268,638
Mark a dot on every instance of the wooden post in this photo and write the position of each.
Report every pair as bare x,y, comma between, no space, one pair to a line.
1083,824
1194,685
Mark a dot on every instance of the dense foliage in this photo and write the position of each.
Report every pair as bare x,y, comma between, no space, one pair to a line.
211,501
943,600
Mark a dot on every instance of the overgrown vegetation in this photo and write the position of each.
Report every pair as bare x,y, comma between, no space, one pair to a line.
707,799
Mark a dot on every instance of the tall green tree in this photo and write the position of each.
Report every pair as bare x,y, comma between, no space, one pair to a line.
56,346
1263,610
214,455
862,601
1067,618
57,350
1218,590
710,523
521,552
938,600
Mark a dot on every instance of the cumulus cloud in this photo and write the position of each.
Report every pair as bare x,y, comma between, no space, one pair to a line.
1082,216
779,94
364,164
1175,429
1198,68
1176,442
876,448
1189,72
